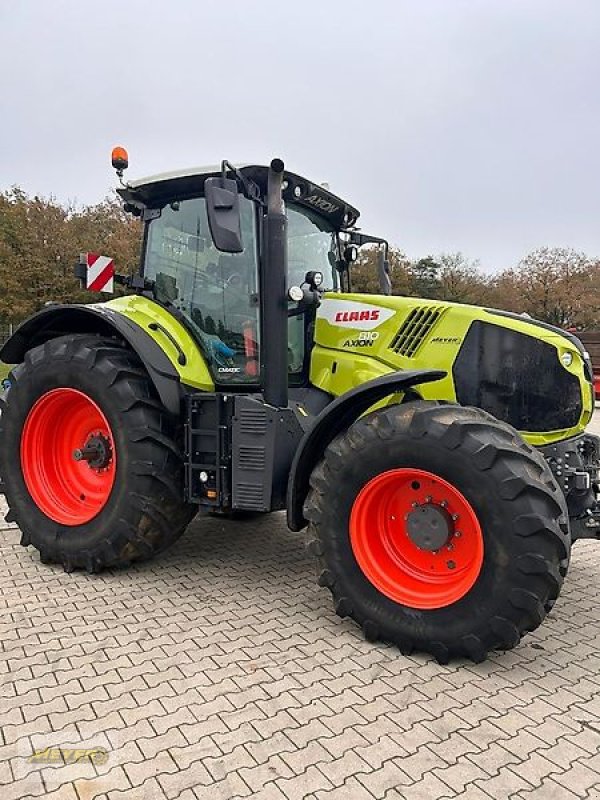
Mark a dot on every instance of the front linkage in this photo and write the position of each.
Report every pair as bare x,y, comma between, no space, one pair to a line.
575,465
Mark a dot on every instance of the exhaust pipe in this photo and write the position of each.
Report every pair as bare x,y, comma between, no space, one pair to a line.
274,335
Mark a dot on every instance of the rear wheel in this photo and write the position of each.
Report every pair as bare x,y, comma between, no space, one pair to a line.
438,528
92,471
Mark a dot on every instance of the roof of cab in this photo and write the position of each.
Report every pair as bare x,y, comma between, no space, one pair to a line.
157,190
162,177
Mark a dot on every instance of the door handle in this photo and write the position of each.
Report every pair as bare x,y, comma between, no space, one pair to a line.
156,326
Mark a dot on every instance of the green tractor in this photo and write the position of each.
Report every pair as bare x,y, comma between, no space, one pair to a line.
435,452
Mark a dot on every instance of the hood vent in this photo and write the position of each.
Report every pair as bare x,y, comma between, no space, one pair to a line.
415,329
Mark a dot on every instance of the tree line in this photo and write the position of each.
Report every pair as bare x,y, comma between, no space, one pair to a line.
40,240
40,243
558,285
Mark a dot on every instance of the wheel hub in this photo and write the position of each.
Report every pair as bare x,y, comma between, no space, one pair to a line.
68,456
416,538
429,527
96,451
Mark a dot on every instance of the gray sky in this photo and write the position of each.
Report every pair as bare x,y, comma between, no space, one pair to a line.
468,125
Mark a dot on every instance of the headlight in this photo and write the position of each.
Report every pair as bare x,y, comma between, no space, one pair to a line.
295,293
566,359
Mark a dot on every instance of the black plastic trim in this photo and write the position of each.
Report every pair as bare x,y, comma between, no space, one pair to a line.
335,418
517,377
539,324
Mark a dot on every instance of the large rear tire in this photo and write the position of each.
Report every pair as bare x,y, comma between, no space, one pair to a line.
92,472
439,529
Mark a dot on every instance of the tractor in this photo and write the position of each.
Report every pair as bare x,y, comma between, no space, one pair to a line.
434,452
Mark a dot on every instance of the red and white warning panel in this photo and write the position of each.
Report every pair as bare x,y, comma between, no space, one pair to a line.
100,272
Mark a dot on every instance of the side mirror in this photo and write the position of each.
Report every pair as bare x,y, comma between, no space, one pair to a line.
383,267
224,218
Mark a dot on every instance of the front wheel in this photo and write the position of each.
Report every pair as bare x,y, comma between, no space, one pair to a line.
92,471
439,529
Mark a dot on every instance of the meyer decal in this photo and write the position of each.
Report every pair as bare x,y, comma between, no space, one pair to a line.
351,314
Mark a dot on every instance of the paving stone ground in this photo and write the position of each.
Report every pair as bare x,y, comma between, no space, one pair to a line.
220,671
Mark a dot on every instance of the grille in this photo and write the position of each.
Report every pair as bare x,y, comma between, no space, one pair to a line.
252,458
253,420
249,495
415,329
517,378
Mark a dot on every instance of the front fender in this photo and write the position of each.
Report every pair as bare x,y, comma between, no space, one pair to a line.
333,420
61,320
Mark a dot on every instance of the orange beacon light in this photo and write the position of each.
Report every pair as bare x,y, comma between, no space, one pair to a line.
120,159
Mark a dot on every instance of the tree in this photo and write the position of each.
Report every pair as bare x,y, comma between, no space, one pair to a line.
40,241
558,285
460,280
425,277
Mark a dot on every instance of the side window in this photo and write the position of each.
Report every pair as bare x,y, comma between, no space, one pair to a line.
311,246
296,344
217,292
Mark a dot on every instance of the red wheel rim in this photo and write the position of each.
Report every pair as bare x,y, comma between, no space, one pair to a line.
382,535
69,491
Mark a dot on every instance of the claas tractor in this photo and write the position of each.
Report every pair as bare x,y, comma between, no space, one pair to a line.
434,452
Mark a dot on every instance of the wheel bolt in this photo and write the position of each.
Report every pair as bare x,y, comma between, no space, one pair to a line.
450,546
428,499
444,504
454,517
450,564
458,534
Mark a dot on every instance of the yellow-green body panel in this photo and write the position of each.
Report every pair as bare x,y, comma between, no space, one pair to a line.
349,352
143,311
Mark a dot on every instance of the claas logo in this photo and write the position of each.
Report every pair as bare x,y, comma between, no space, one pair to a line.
357,316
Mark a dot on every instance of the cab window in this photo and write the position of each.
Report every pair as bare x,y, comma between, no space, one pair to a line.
312,245
217,292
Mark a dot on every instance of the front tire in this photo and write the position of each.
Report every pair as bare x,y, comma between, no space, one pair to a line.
439,529
92,472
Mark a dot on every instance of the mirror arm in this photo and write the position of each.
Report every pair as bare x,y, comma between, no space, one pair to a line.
364,238
250,189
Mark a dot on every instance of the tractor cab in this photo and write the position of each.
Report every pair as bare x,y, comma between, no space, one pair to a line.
216,291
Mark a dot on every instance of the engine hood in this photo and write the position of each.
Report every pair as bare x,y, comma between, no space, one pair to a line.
530,374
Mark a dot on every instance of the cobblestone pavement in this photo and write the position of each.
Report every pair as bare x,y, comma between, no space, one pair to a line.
220,671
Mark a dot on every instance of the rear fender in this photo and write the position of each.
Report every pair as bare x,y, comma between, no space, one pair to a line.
61,320
335,418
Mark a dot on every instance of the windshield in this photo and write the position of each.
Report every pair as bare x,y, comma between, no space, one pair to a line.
217,292
311,246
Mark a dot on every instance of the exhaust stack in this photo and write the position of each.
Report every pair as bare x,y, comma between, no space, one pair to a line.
274,359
